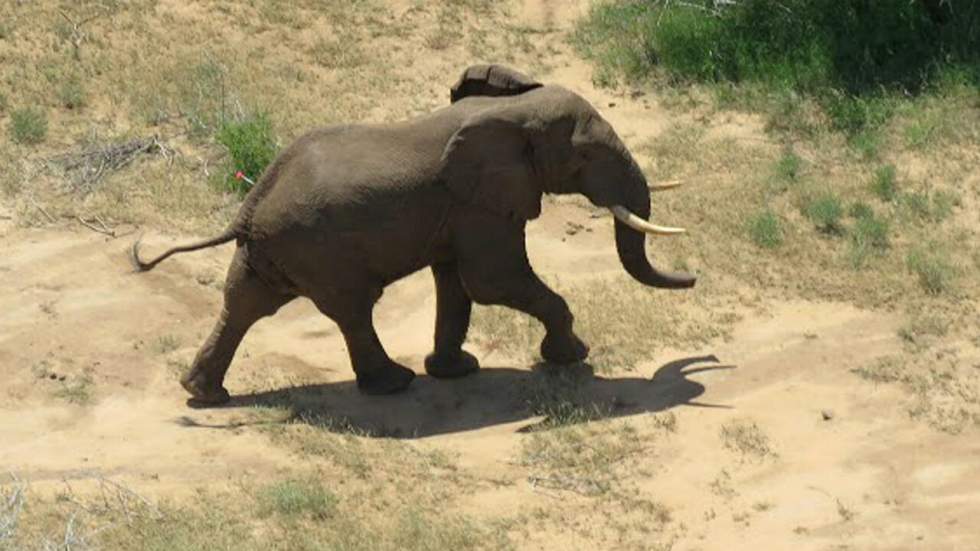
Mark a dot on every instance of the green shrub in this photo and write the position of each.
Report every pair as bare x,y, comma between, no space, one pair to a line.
293,498
883,184
853,45
825,211
765,230
28,125
932,267
851,55
251,145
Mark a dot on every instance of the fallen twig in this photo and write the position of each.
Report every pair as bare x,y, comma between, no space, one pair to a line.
102,228
40,208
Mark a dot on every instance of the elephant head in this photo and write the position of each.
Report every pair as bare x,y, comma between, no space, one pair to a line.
547,139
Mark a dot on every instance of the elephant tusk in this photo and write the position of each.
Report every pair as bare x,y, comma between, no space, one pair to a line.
639,224
664,186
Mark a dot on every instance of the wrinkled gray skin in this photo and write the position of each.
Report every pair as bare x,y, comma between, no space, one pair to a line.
346,210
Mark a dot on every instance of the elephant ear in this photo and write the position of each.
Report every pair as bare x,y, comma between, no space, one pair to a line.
491,80
489,162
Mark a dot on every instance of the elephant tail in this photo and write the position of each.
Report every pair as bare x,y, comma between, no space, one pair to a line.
141,266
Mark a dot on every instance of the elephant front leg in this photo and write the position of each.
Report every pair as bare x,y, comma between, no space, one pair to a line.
521,289
560,344
453,307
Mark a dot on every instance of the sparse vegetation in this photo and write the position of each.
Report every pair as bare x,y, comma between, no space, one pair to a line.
788,167
76,390
746,438
883,184
28,125
71,94
765,230
869,235
166,344
294,498
582,458
825,211
933,269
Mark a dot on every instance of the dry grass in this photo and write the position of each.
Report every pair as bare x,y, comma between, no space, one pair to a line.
135,69
281,515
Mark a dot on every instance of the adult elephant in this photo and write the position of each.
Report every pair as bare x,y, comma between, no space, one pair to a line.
346,210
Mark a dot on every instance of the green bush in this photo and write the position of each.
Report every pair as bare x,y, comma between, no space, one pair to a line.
883,184
252,145
28,125
825,211
851,55
852,45
765,230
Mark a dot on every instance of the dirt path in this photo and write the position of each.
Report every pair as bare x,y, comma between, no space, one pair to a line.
89,355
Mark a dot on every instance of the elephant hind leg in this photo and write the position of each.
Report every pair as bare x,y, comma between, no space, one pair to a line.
247,299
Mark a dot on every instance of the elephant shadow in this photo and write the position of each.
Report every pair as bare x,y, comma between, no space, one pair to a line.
492,396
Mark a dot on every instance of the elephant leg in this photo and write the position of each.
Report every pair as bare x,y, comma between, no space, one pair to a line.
508,280
376,372
453,306
531,296
247,299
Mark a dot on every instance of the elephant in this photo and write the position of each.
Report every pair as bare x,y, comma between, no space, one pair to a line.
345,210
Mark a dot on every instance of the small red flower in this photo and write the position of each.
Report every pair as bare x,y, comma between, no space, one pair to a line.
239,175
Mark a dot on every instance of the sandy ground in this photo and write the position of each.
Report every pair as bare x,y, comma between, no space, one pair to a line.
847,468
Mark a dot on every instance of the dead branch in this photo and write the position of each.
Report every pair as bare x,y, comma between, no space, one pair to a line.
581,486
87,167
124,495
101,228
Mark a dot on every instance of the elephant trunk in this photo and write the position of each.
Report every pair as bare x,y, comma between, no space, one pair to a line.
631,243
631,246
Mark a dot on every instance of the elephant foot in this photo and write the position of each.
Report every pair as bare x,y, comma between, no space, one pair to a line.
202,393
564,350
451,366
388,380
